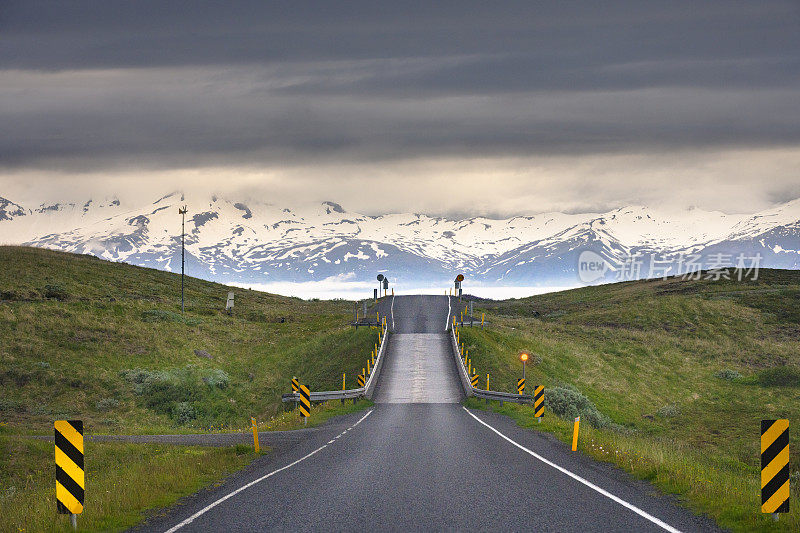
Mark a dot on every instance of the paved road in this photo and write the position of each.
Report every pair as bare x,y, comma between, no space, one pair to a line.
418,461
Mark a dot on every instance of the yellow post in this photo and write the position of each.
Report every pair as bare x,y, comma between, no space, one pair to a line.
377,318
575,434
469,367
255,433
363,372
379,336
343,381
487,381
482,316
368,370
392,292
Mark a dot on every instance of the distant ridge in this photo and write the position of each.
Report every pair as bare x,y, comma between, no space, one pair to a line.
250,241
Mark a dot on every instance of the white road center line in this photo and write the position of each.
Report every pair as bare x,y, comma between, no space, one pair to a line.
576,477
207,508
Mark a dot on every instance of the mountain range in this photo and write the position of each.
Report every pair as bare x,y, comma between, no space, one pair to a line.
251,241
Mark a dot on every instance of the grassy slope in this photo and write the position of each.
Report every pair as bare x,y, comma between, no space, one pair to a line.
71,325
637,348
64,357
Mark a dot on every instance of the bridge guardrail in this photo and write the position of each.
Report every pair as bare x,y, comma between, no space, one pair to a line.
362,392
469,390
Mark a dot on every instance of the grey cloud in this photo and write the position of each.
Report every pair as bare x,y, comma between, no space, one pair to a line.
154,85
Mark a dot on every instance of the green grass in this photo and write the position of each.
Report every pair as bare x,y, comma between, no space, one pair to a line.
123,481
659,360
106,343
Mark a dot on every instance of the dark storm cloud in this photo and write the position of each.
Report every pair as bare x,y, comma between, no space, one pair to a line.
160,84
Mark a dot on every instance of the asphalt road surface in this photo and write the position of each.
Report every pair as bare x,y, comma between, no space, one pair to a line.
419,461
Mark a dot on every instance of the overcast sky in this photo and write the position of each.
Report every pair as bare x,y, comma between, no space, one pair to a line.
439,107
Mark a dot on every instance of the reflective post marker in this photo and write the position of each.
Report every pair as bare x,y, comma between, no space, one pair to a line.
775,466
538,402
575,434
305,403
344,380
255,434
70,482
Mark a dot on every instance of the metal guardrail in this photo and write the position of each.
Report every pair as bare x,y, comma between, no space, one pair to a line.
348,394
469,390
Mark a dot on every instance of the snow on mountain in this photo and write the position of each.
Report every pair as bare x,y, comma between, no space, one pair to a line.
252,241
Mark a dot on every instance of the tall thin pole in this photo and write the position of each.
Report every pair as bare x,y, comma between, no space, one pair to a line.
182,212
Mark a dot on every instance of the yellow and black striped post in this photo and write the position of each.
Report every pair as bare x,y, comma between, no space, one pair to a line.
295,384
361,380
305,402
69,467
775,466
538,402
474,380
520,385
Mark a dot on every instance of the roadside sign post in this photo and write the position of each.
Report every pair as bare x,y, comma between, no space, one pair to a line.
229,304
182,213
538,403
305,403
775,467
255,433
575,434
380,282
70,477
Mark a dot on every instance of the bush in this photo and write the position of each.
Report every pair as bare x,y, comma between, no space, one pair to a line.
106,404
567,402
242,449
183,413
779,376
9,406
728,375
216,378
669,411
56,292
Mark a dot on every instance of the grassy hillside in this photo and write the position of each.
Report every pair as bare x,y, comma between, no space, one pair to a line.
107,343
674,374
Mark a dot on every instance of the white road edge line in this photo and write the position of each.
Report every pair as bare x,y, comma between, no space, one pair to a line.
447,319
259,480
576,477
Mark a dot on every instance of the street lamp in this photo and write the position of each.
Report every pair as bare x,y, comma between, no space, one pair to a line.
524,358
182,213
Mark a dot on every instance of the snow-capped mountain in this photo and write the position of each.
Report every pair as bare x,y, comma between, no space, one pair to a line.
257,242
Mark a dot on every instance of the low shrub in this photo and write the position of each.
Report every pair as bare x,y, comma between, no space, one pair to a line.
568,402
55,292
779,376
106,404
669,411
242,449
216,378
183,413
728,375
